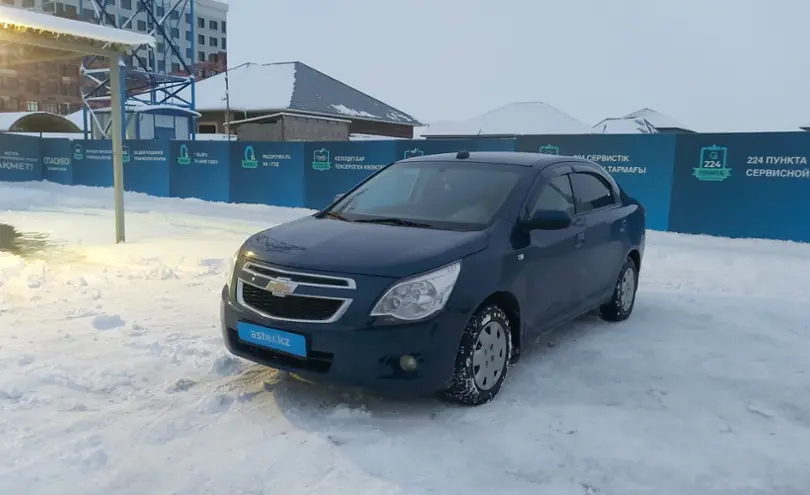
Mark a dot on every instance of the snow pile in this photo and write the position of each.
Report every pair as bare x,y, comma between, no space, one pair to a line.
114,379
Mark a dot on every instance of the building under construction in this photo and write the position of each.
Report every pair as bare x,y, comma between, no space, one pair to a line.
192,36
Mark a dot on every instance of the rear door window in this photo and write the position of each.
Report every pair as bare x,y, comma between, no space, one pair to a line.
591,192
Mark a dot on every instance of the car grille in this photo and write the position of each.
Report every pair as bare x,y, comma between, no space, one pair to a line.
299,278
300,308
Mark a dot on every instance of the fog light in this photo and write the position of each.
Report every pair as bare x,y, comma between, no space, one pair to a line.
407,363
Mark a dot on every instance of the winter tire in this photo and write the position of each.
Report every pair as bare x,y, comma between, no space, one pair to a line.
624,295
483,357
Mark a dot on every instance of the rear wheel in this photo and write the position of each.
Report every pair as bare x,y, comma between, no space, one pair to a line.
483,357
624,295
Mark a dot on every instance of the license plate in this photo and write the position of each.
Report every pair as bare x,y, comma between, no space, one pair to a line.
271,338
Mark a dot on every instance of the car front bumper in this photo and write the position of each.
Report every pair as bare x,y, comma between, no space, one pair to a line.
364,355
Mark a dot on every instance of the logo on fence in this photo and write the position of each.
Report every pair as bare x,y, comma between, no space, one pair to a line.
550,149
125,149
414,152
78,151
713,166
321,159
249,160
182,156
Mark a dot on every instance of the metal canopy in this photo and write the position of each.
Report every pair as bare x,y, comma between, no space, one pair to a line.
30,37
147,81
60,26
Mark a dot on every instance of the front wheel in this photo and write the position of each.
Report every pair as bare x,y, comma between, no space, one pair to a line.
483,357
624,295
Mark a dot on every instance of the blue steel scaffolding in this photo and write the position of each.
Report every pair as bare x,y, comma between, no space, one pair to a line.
146,76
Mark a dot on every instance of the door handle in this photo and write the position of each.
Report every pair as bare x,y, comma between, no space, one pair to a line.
623,225
580,239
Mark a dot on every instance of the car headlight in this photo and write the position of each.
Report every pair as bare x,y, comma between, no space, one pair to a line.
232,267
419,297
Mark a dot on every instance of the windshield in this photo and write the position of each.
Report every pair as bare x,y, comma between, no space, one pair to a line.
447,195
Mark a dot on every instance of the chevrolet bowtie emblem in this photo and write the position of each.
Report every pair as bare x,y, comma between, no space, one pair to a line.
280,287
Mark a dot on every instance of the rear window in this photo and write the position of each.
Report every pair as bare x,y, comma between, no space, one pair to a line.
455,195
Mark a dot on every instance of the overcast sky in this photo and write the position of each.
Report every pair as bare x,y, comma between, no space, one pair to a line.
711,64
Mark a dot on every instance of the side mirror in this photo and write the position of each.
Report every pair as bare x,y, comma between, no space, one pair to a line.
337,197
548,220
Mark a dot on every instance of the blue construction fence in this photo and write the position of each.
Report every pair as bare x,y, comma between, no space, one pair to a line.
733,185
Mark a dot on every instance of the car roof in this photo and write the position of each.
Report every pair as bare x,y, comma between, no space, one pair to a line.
536,160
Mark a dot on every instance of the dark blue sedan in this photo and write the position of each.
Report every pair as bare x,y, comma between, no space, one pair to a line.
433,273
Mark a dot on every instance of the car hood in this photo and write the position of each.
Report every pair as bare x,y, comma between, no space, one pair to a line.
361,248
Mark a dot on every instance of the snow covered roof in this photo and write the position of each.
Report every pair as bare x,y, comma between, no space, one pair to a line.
291,86
29,22
658,120
137,107
36,122
635,125
372,137
534,117
251,87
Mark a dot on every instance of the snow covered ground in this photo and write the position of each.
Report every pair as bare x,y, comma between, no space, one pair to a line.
113,378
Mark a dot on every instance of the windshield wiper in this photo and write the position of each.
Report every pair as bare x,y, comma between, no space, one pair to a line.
336,215
395,221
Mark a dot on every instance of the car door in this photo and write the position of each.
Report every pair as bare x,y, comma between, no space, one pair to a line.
550,259
598,205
